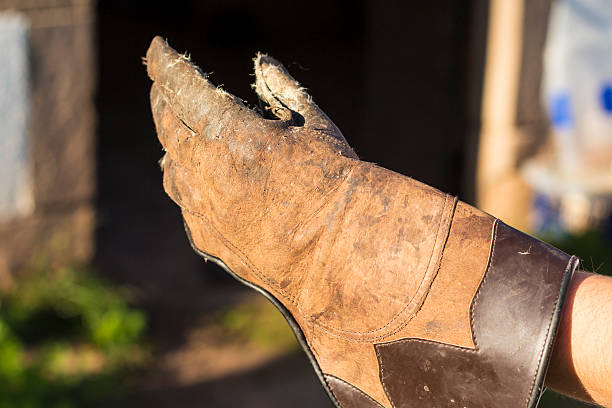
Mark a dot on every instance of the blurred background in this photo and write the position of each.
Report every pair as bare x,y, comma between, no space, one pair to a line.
505,103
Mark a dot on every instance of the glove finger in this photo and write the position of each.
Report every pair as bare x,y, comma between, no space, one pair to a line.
176,137
204,108
178,183
276,87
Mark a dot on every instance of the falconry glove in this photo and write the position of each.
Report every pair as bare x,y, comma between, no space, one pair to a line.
401,295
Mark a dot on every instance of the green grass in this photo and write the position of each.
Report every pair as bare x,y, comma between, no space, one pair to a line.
257,321
593,247
66,340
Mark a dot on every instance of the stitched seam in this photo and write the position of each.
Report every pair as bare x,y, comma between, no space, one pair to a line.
535,375
410,301
354,388
484,279
327,328
382,375
232,248
252,268
304,221
292,299
243,257
240,254
428,342
443,345
570,265
331,389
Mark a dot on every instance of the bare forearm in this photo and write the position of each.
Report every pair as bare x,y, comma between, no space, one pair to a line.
581,364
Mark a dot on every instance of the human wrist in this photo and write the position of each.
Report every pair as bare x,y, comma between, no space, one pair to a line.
581,363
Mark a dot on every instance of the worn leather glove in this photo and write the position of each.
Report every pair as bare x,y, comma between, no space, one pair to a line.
401,295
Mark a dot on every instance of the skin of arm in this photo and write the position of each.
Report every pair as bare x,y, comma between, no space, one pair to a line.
581,363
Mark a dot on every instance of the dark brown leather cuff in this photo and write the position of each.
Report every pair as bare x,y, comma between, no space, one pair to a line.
514,318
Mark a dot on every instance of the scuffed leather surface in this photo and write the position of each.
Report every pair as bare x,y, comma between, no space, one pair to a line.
444,316
298,213
359,255
350,396
512,317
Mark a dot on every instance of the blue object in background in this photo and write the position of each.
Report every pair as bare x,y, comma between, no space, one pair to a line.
560,106
606,98
546,216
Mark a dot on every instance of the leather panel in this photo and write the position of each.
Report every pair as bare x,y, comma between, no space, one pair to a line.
445,314
350,396
514,318
454,286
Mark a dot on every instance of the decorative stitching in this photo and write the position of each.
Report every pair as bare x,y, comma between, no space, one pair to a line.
535,375
436,343
411,340
292,299
239,253
353,387
424,281
242,256
381,374
472,307
274,286
403,324
482,282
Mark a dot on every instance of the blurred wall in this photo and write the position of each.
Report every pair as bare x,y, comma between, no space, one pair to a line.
59,143
514,125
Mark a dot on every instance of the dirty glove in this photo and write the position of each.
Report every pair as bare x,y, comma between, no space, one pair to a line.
401,295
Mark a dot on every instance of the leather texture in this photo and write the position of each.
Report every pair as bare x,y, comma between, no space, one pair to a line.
360,258
349,395
443,317
512,315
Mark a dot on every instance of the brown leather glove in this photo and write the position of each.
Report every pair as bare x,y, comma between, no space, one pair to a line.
401,295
